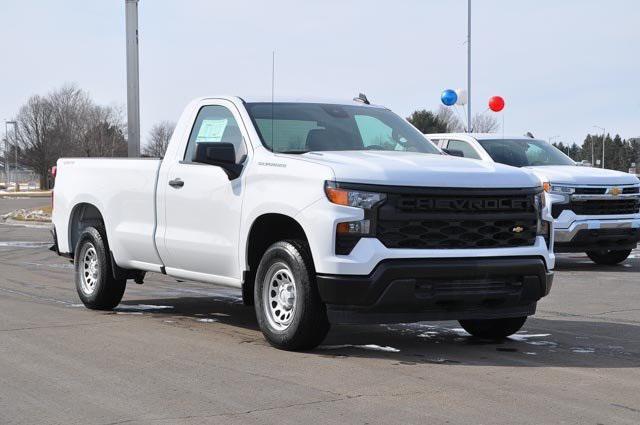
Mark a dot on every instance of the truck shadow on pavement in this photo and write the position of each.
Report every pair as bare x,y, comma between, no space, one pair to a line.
578,263
543,342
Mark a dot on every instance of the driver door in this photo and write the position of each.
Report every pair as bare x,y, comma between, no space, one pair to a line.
202,206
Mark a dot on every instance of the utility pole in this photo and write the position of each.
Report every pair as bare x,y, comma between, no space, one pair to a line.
7,153
604,135
133,79
469,127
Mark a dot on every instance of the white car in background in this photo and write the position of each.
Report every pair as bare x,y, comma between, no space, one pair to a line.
595,210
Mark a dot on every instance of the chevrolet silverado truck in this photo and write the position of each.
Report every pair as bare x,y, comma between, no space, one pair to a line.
596,211
319,213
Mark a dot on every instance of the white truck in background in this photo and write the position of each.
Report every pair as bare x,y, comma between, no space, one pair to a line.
596,211
319,213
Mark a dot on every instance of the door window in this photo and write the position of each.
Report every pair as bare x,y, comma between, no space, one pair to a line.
215,124
464,147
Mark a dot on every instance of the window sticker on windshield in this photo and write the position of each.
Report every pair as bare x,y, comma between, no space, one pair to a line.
211,130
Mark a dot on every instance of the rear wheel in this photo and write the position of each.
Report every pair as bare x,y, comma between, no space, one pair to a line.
95,284
290,312
493,328
608,258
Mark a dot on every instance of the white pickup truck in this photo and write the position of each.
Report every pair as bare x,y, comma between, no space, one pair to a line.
319,213
596,211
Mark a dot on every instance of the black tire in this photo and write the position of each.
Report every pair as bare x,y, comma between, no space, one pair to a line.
307,317
495,329
106,292
609,258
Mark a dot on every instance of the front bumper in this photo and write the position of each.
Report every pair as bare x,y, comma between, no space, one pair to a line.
411,290
598,234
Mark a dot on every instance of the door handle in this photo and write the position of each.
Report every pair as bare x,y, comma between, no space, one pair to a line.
176,183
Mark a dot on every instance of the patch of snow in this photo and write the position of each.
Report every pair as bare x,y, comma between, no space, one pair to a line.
128,312
583,350
530,353
522,337
206,320
542,343
460,332
142,307
371,347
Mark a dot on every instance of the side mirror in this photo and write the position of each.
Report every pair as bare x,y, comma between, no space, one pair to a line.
221,155
453,152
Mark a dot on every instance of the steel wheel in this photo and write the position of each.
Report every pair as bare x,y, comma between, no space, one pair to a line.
90,270
279,296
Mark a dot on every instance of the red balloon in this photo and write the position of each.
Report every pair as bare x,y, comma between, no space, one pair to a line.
496,103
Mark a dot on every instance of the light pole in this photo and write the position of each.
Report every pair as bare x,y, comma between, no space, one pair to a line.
6,149
133,79
469,66
603,137
15,147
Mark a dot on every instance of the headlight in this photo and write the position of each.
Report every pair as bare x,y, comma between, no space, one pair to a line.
352,198
559,189
543,228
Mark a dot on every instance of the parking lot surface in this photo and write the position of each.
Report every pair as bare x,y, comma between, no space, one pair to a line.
185,352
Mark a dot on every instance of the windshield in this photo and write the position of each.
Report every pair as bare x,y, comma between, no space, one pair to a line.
524,152
304,127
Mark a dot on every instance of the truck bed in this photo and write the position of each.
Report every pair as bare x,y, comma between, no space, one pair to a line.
124,192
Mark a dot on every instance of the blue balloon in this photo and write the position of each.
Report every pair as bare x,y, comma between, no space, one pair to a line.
449,97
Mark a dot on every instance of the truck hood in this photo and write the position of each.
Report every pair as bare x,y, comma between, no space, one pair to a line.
571,174
419,169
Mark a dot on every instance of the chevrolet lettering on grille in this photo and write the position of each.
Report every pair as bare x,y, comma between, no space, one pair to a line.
464,204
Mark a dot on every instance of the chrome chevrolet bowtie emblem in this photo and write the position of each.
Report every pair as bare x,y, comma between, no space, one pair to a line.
615,191
518,229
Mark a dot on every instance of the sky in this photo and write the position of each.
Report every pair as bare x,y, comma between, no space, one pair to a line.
562,67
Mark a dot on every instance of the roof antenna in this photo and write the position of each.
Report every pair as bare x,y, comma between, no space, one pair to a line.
362,98
273,89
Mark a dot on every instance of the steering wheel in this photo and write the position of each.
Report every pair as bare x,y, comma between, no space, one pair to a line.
375,148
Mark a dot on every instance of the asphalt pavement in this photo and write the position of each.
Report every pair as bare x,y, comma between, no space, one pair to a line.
191,353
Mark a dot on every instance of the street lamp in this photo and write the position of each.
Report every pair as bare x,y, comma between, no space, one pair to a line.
6,151
603,137
133,79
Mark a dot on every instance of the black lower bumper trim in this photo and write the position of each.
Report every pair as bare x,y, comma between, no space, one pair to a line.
438,289
601,240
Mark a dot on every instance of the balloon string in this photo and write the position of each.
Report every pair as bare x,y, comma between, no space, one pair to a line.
466,125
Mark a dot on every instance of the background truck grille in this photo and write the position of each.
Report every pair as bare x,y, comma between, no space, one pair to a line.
603,190
599,207
457,218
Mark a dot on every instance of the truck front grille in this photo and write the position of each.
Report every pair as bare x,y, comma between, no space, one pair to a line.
599,207
458,219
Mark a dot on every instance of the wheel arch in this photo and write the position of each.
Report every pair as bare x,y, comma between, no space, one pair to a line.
265,230
82,213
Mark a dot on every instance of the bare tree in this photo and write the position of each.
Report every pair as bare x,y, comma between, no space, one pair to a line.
104,132
483,123
159,137
451,120
66,122
36,136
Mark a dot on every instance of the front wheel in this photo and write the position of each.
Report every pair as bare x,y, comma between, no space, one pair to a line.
495,329
290,312
96,286
609,258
